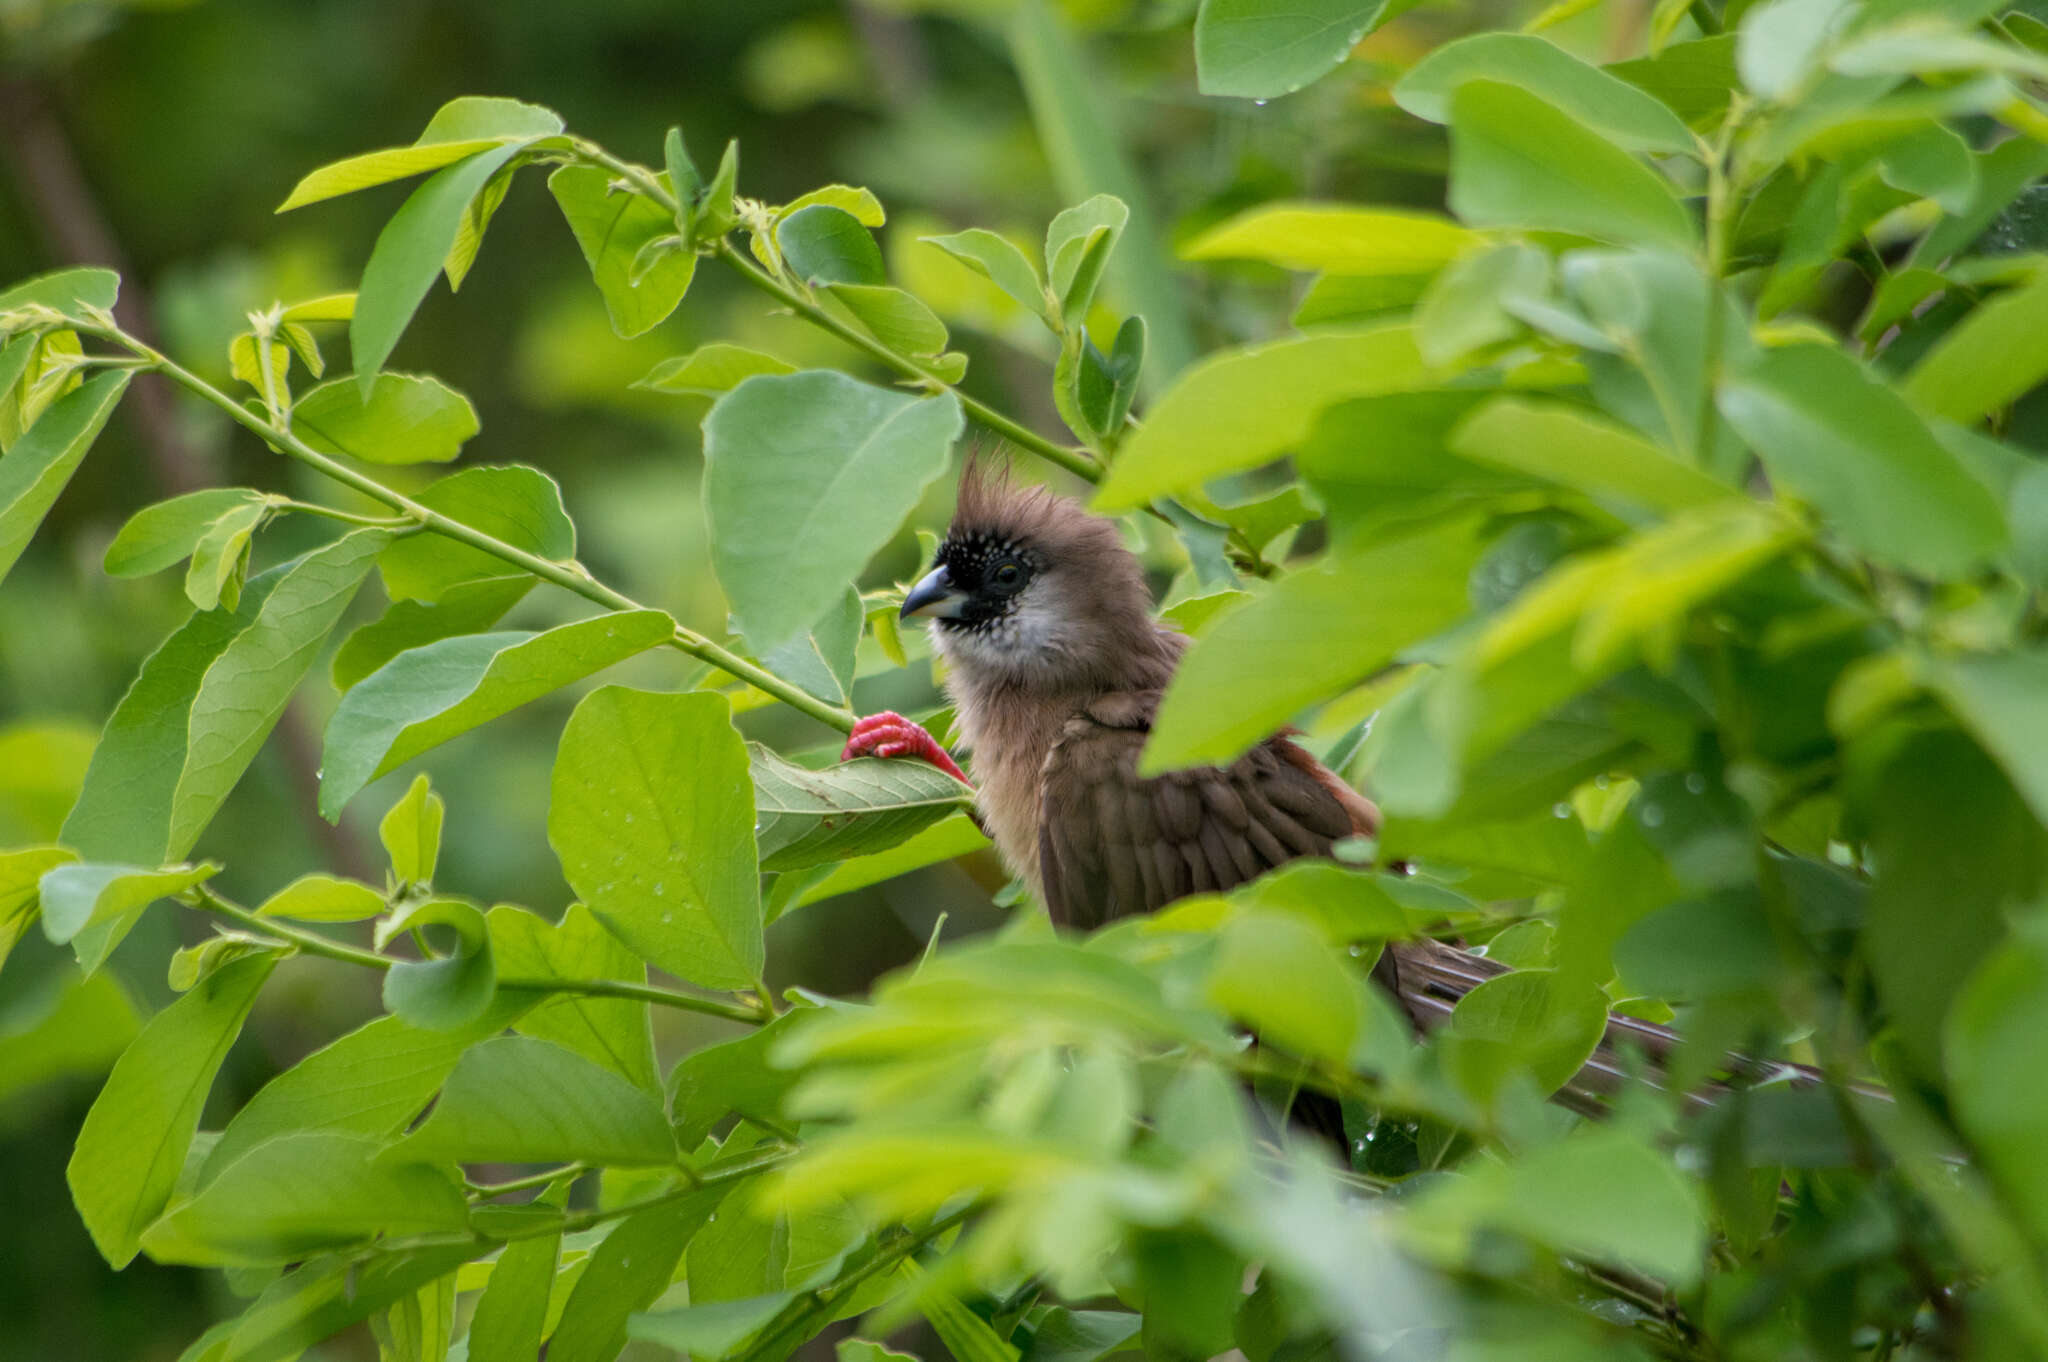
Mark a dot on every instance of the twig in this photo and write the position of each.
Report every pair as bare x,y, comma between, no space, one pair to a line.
314,943
570,576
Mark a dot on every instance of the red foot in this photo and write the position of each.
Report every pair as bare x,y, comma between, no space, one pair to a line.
889,734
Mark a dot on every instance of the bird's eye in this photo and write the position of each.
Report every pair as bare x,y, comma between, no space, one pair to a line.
1008,576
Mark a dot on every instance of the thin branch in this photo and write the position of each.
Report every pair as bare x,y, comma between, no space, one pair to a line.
315,943
570,575
798,1316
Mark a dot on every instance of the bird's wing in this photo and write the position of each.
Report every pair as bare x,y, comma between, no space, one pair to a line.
1111,842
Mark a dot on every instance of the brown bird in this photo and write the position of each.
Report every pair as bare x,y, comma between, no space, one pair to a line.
1055,667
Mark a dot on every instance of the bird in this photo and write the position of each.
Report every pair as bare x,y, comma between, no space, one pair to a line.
1055,663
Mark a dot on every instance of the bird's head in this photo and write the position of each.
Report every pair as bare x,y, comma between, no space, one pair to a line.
1030,591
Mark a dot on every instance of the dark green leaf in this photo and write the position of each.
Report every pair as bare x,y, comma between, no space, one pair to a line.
737,1076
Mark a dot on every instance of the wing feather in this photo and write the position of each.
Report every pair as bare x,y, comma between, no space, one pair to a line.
1112,843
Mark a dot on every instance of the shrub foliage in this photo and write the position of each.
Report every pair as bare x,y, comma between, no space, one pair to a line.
1661,536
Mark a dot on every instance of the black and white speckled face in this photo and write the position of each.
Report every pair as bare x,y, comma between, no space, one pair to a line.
992,576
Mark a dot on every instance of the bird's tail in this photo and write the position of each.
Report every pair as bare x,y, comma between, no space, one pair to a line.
1428,978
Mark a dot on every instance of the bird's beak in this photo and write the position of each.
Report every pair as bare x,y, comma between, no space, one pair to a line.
935,597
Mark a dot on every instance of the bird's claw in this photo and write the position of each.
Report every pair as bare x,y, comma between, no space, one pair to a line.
889,734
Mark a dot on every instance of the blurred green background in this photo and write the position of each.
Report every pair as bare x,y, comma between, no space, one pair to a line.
160,137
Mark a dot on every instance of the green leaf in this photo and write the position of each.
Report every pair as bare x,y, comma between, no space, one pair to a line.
407,418
865,208
613,229
1573,448
424,697
440,992
517,504
1259,49
1065,1335
372,1082
327,1295
711,370
220,560
1693,79
1603,103
466,608
710,1332
1472,303
1280,977
1992,1045
822,658
1779,44
204,702
735,1077
652,817
1546,1028
827,245
83,894
71,291
302,1193
948,839
158,536
409,253
897,319
2003,701
1307,637
1834,435
810,474
42,461
1599,1195
1518,162
411,832
21,873
626,1273
999,260
967,1336
462,128
516,1099
1336,237
613,1032
1243,408
715,214
809,817
1992,356
1347,299
1078,242
133,1143
512,1313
